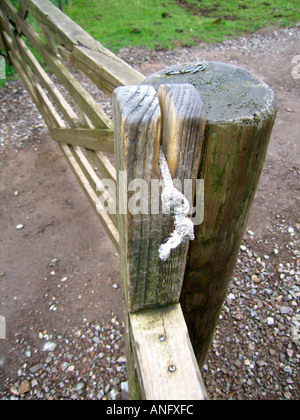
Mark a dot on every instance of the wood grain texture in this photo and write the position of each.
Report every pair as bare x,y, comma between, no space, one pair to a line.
147,280
166,364
104,68
240,111
99,140
80,96
182,129
75,162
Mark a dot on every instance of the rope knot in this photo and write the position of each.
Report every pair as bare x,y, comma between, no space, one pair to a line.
176,204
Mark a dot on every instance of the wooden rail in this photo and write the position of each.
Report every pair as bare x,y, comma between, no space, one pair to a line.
80,126
85,135
213,125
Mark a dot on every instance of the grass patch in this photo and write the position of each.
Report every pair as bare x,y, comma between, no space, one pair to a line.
10,72
161,24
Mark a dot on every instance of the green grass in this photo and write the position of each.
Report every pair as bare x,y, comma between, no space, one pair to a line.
10,72
162,24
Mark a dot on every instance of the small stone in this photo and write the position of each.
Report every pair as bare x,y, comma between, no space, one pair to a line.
49,346
288,370
291,230
20,227
243,248
122,359
97,340
14,391
124,387
270,320
115,286
34,383
64,279
36,368
24,387
287,395
255,279
80,386
64,366
238,316
286,310
237,363
113,394
2,360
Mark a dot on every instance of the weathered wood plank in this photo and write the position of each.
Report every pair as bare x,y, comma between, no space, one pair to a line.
78,93
67,111
105,69
166,364
99,140
240,112
148,280
103,164
182,129
137,120
97,186
89,192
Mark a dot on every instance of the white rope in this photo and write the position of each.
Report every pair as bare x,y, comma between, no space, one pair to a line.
176,204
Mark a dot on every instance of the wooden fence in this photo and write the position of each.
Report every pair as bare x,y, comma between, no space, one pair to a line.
171,307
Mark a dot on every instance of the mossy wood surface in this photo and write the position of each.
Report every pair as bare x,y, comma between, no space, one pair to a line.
240,112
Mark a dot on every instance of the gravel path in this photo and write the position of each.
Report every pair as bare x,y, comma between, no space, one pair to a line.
255,351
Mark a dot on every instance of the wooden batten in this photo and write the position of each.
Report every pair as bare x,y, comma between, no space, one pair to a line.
148,280
240,111
98,140
105,69
166,364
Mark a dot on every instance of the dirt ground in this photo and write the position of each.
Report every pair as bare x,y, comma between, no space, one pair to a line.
61,268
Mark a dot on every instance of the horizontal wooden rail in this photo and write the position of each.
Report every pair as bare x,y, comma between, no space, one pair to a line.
105,69
167,367
79,172
75,120
158,345
99,140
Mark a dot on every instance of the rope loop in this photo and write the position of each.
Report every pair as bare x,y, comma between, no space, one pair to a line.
176,204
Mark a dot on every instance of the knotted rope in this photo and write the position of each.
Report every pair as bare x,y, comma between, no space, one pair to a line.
176,204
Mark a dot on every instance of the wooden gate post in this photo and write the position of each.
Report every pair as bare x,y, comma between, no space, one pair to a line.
240,112
159,351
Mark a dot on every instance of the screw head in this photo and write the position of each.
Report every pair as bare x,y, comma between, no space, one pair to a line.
172,368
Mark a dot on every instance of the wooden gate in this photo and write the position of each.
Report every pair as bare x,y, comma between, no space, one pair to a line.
213,123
